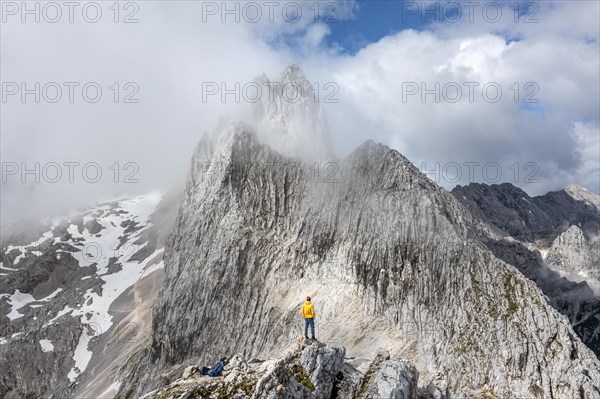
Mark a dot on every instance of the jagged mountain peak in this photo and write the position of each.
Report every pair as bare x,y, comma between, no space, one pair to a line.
379,247
289,116
370,146
582,194
213,154
506,189
292,73
576,188
527,218
552,240
386,254
382,162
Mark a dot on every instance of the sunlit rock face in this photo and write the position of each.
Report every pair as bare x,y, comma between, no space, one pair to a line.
390,259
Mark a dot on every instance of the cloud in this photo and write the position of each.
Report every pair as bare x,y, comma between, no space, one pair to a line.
587,137
168,55
175,49
548,79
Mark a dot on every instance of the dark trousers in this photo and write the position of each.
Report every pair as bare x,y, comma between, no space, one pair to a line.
311,323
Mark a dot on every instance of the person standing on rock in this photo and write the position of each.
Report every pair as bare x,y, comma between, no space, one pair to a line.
308,312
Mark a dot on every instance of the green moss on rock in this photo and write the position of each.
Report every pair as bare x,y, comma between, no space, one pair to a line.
509,289
300,375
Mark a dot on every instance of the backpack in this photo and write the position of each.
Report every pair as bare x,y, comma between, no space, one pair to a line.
217,369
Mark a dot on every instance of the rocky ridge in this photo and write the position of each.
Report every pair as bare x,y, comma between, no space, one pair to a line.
552,239
390,259
305,371
385,253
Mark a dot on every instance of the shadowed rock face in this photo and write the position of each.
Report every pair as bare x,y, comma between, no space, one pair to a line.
528,219
376,241
552,240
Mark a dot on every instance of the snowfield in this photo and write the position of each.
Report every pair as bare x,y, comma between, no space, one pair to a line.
107,237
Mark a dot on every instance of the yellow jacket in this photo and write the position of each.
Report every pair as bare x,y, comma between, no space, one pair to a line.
308,310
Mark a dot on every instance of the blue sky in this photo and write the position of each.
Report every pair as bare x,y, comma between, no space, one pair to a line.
363,23
373,20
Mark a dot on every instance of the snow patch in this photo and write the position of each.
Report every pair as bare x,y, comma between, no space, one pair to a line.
46,345
152,269
82,357
31,247
17,301
63,312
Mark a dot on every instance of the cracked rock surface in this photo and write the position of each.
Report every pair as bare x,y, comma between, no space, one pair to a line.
381,248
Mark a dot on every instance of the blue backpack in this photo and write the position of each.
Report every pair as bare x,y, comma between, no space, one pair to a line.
217,369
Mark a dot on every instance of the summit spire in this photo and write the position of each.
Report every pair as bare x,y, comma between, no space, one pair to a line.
289,116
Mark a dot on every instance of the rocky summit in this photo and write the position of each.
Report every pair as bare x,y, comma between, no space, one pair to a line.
419,293
390,259
306,371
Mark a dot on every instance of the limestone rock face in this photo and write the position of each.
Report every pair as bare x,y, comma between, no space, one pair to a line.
466,293
552,239
388,258
322,364
394,379
576,258
582,194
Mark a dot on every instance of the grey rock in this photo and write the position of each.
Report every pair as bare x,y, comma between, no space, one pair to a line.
93,226
388,256
530,219
551,239
188,372
322,364
395,379
348,382
51,299
404,247
186,395
288,377
382,354
575,257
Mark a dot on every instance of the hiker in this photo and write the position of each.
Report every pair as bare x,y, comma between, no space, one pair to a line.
308,312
